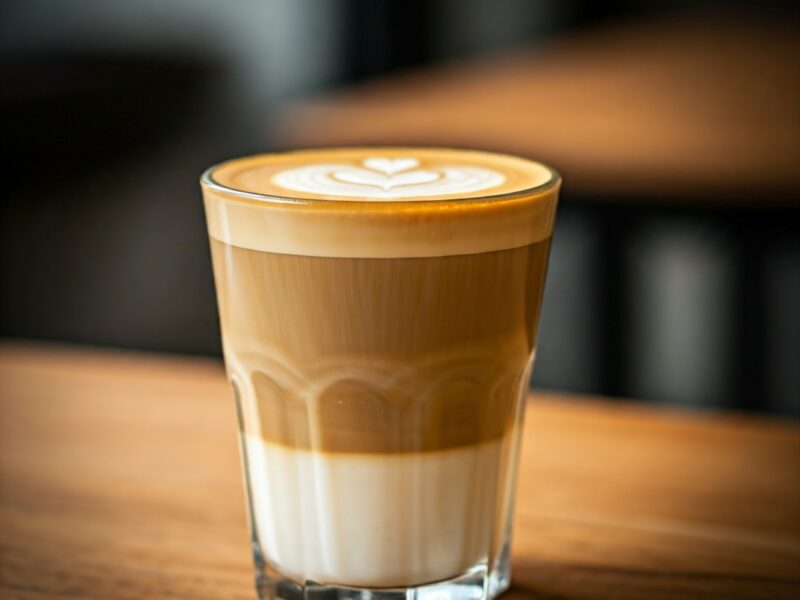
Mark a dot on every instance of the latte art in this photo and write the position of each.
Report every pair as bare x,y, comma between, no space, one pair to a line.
387,178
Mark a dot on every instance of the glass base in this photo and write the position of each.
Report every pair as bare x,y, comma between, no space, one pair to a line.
478,583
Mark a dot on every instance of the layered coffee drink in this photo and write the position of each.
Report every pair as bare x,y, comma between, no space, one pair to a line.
379,309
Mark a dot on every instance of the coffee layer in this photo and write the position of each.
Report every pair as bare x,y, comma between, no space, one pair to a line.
380,202
379,355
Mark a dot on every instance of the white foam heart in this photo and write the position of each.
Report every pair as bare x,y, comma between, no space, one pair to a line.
360,176
390,166
363,177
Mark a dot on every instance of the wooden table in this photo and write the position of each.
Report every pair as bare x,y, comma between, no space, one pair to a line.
119,479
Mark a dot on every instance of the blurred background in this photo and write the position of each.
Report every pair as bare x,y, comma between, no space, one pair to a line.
675,273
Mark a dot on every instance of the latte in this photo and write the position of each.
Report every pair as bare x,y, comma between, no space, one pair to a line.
379,310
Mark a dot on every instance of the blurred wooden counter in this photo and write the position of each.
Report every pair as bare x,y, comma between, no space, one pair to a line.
699,108
119,479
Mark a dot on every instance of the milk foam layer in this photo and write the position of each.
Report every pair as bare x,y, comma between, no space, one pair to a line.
379,521
380,202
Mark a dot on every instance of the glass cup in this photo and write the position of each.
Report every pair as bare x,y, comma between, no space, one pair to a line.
379,310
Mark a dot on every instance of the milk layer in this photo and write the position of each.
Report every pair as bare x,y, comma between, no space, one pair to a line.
378,520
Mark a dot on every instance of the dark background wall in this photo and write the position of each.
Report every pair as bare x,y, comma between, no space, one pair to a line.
110,111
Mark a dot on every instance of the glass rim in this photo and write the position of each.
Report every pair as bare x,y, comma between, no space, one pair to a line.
207,180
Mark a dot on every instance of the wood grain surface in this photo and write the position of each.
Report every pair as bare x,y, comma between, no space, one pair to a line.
119,479
696,108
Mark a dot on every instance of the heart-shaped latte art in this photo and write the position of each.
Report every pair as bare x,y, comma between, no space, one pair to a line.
390,166
380,178
364,177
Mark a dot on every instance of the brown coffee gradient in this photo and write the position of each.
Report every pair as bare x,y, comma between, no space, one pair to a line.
380,355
